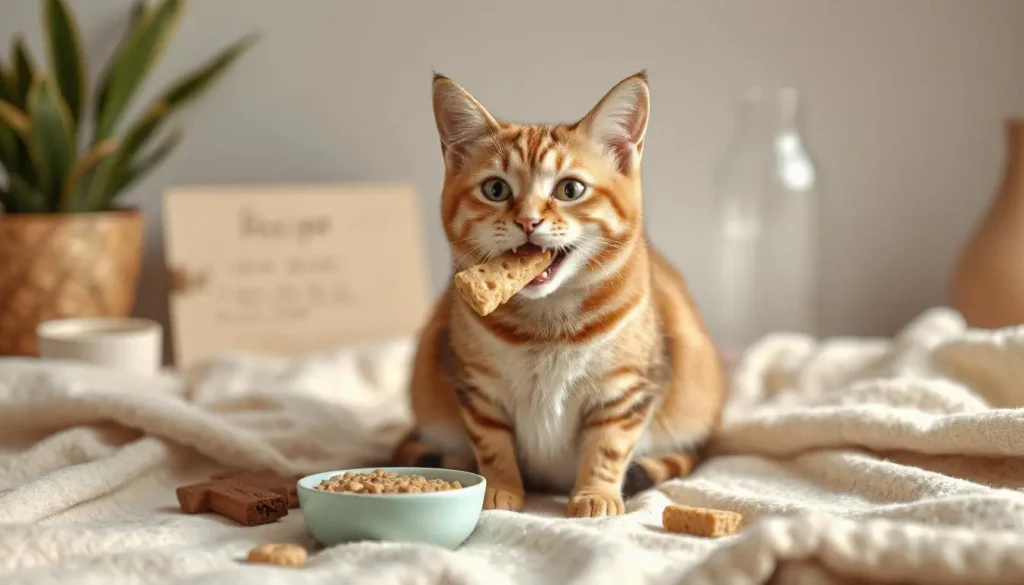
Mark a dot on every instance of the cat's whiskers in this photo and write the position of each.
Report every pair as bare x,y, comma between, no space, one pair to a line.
477,258
591,250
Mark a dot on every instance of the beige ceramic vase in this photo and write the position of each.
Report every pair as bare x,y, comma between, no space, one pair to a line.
987,283
65,265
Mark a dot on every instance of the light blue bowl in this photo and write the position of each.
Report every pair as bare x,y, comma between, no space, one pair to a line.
444,519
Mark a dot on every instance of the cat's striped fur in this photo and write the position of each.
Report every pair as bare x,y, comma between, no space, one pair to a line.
598,383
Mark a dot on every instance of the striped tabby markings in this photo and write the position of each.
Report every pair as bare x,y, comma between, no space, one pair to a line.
493,441
467,367
521,151
500,328
627,395
536,135
482,211
609,288
602,194
589,329
533,144
560,160
478,408
467,227
475,204
452,205
542,154
609,434
605,322
615,246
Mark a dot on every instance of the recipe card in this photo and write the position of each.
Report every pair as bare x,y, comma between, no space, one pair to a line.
289,270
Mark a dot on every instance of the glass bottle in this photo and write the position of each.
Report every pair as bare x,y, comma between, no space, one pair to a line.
767,246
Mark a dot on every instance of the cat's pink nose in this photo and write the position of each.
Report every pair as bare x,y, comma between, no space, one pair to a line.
529,223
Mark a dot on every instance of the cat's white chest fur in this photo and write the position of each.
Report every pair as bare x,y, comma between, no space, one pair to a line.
545,396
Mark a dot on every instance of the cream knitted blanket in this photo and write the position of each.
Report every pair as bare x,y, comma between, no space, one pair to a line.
854,460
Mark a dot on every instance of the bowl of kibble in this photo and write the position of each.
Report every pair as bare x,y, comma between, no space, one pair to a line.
401,504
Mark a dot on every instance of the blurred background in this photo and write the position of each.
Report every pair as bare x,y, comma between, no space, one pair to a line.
902,105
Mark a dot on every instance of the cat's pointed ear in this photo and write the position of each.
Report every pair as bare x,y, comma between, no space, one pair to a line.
461,120
618,122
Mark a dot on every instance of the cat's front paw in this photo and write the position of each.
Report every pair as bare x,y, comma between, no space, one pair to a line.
502,498
595,505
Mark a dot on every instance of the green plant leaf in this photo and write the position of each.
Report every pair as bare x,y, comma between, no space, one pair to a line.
67,60
25,197
102,187
145,163
13,118
24,72
8,140
51,138
140,12
132,63
8,149
18,81
13,153
115,175
140,9
85,164
7,83
191,86
5,92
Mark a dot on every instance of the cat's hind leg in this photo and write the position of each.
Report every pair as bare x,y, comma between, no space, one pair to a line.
415,450
438,439
650,470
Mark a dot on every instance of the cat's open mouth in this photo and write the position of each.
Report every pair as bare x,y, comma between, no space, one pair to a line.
550,271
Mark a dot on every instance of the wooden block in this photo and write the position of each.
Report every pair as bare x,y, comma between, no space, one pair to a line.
706,522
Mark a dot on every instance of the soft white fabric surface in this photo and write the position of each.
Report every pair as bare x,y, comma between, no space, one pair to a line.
854,460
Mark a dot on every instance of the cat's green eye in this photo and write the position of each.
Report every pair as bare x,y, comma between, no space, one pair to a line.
496,190
569,190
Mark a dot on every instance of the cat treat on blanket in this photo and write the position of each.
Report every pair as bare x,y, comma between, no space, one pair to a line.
487,286
705,522
245,504
282,555
249,498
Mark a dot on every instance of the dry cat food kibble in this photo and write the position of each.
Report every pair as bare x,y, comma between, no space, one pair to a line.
706,522
385,482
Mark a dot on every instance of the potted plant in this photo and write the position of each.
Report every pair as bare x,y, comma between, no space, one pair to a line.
68,154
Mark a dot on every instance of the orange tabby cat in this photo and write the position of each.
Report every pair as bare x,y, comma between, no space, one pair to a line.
597,380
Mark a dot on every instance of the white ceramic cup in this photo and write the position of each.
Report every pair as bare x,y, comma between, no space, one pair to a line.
129,344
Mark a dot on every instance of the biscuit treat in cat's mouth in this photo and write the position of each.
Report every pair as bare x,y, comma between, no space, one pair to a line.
487,286
549,272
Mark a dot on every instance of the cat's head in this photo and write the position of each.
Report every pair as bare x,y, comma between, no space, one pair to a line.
574,188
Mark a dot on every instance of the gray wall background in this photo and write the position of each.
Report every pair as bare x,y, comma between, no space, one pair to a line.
904,105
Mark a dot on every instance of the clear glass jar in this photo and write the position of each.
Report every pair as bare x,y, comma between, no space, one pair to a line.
766,249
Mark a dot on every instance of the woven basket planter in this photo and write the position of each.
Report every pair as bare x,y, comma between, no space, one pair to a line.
65,265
